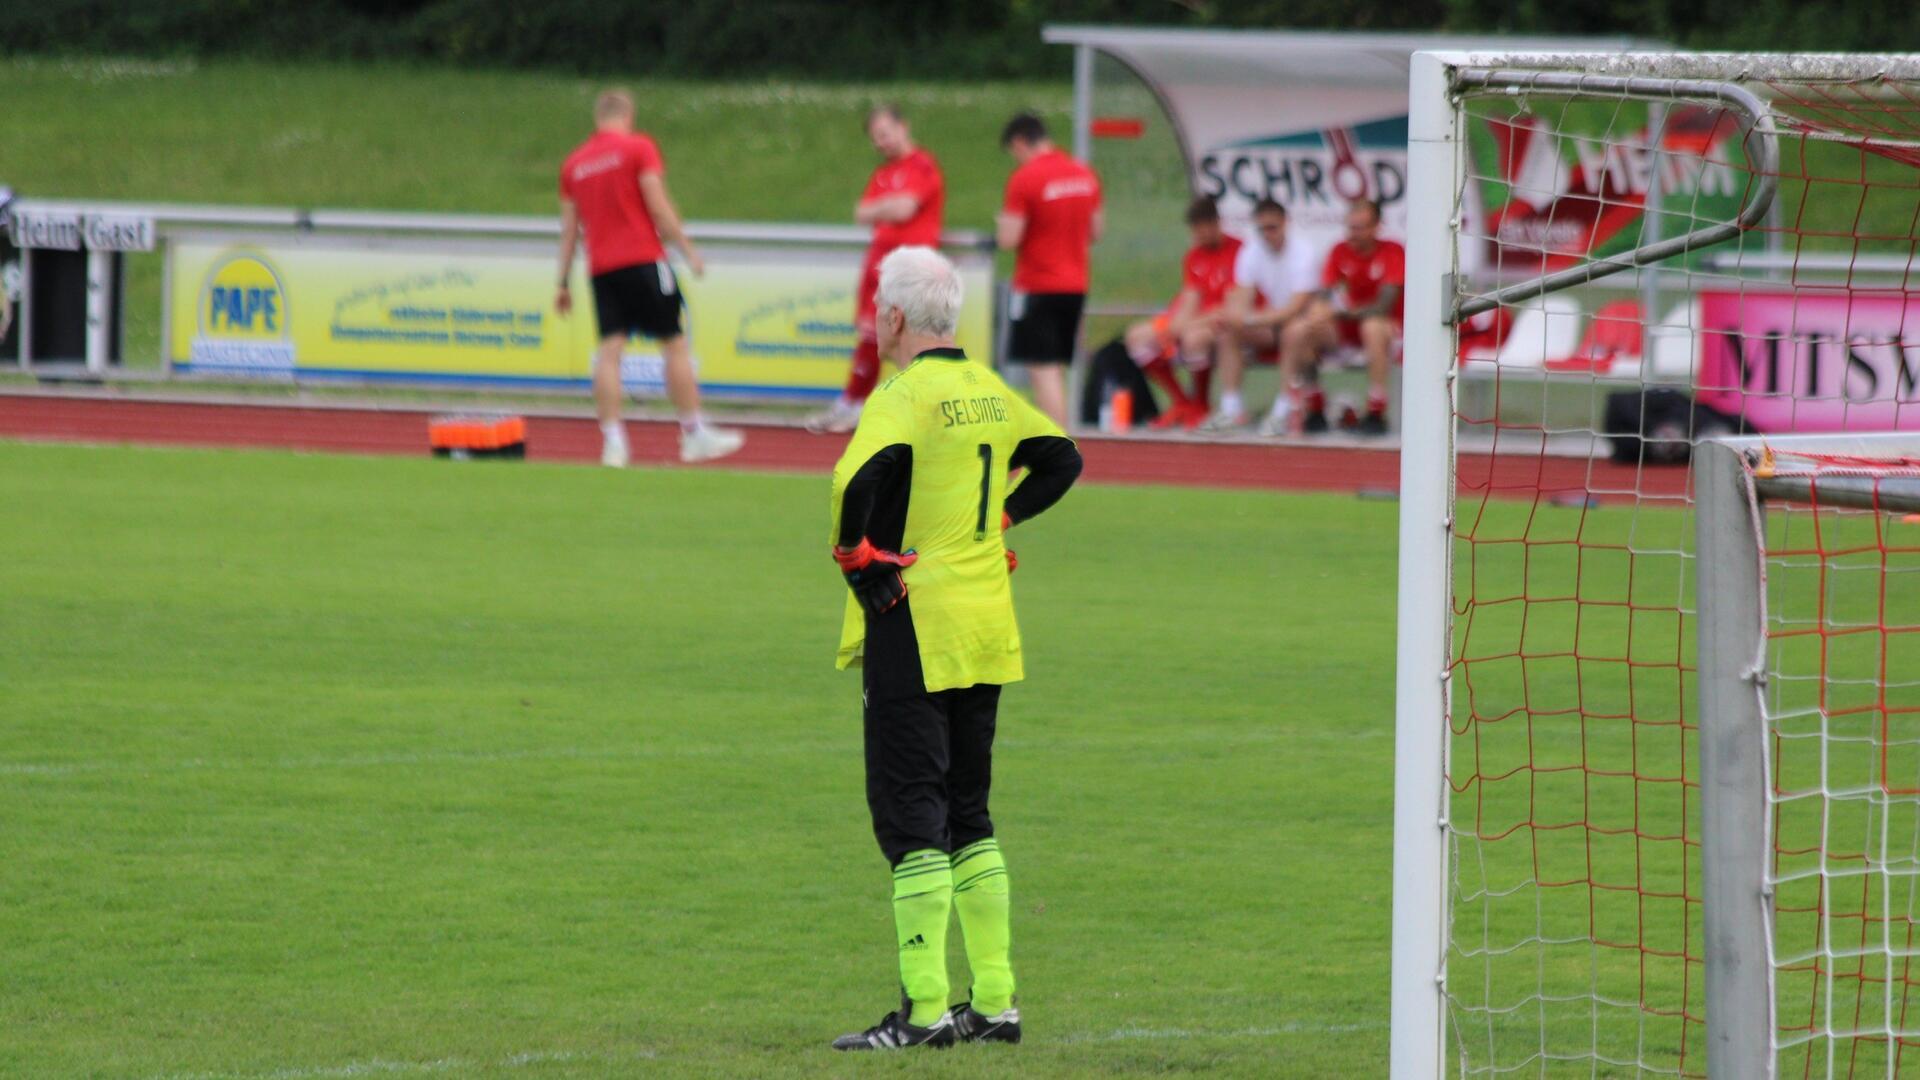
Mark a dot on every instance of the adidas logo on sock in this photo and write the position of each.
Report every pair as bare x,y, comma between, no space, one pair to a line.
917,941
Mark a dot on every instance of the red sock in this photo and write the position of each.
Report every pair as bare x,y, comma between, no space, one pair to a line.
1376,401
1202,385
1161,372
1316,400
864,374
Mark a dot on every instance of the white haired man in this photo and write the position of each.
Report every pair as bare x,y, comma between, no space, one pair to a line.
614,185
920,508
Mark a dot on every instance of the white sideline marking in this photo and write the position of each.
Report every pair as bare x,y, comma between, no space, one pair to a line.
1043,743
422,757
381,1067
1270,1032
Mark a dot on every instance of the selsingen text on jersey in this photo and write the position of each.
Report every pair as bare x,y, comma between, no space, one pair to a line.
990,409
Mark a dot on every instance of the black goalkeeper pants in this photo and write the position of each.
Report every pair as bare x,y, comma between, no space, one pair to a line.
929,766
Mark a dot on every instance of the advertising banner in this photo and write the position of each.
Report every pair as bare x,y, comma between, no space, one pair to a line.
1313,120
1547,190
1317,120
1566,184
773,321
1314,155
1812,360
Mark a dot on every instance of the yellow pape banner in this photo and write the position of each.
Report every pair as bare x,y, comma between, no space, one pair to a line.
765,320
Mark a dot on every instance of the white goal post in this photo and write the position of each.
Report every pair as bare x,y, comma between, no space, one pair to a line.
1613,260
1747,712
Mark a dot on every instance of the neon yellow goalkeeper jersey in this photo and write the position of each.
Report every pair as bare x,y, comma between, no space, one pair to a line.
927,471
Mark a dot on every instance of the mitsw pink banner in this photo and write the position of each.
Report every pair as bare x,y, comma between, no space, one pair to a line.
1812,359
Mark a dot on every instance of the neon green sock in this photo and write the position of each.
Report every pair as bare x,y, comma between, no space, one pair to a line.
980,896
922,905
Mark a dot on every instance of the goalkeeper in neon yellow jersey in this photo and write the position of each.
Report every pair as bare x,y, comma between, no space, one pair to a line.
920,505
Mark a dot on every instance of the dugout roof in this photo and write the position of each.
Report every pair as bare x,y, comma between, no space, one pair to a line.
1201,77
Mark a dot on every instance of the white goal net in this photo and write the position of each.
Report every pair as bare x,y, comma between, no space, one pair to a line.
1609,260
1810,738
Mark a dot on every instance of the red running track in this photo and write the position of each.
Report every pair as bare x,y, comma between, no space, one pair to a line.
362,430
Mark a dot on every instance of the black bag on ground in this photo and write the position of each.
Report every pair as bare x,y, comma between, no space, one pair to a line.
1112,369
1660,426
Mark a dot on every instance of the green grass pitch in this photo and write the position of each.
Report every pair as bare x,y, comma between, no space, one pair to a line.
322,766
333,766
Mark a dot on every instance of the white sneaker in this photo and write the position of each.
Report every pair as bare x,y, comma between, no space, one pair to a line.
708,443
1278,422
1219,423
614,455
839,419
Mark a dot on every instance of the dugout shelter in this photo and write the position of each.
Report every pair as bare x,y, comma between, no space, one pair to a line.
1313,119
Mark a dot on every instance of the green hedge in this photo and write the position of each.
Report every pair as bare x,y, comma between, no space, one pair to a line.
1757,25
868,39
826,39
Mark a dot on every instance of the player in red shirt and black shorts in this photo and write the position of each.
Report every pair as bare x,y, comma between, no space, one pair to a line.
614,187
1051,215
904,201
1188,332
1359,306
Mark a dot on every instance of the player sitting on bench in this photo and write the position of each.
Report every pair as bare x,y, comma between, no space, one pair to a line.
1185,333
1358,306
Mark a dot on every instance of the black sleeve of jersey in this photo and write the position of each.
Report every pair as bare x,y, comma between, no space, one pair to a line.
876,483
1053,464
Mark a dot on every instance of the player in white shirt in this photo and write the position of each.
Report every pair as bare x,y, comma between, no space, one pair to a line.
1273,283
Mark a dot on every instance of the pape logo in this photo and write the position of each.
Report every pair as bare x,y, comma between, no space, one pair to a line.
245,324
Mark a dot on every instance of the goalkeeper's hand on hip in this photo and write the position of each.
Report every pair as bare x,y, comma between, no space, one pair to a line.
874,574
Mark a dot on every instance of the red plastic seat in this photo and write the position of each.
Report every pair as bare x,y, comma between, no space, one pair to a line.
1613,336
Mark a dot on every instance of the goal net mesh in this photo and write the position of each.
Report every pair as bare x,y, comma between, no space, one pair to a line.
1574,910
1841,701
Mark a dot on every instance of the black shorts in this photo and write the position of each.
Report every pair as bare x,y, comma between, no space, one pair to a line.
641,299
929,769
1045,327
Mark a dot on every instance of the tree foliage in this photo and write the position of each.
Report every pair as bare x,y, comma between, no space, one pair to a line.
843,40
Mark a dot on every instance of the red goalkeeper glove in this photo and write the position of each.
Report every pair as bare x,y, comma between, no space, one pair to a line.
874,575
1006,522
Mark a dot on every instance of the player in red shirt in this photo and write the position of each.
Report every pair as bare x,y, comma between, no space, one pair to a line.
1187,333
1051,215
1359,305
614,187
904,201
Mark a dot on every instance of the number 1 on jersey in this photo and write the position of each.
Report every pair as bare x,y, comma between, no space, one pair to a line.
986,491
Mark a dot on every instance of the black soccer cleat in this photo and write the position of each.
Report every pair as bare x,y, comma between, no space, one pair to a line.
1315,423
894,1032
1374,424
973,1027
